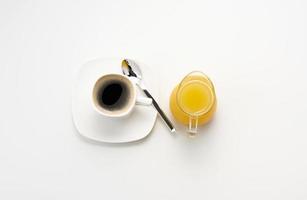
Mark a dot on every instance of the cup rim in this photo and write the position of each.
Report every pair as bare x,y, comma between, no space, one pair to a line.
98,109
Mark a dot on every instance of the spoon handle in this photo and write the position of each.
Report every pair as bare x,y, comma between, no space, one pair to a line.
160,111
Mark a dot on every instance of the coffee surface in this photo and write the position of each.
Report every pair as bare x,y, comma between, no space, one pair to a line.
111,94
114,95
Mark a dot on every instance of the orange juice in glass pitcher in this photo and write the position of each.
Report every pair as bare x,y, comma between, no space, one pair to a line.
193,101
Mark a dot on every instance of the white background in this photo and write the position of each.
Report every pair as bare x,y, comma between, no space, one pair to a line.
254,51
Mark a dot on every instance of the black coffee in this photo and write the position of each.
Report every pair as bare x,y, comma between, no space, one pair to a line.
113,95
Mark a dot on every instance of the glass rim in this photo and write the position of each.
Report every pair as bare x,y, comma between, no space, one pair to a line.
182,85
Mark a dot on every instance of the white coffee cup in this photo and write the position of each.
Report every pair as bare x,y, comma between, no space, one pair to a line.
115,95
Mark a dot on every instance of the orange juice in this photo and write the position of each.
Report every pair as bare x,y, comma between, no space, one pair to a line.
194,98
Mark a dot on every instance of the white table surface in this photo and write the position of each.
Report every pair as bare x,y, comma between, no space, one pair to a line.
255,52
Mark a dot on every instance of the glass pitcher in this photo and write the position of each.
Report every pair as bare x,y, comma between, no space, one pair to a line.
193,101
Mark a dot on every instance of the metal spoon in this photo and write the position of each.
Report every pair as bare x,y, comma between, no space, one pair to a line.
131,69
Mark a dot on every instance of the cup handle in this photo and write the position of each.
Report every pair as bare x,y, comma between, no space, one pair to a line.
193,124
144,101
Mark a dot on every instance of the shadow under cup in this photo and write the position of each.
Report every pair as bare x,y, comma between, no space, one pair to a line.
113,95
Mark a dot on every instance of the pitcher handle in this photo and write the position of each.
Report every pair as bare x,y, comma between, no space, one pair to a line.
193,126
